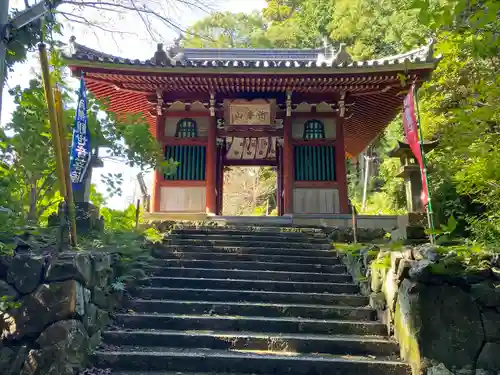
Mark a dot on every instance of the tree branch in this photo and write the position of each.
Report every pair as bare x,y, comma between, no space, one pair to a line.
84,21
142,9
42,209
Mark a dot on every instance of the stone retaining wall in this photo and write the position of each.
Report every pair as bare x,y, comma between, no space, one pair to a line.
444,313
53,310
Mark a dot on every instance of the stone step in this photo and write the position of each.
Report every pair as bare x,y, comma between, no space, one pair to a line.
265,232
173,359
246,243
251,309
163,251
247,237
223,295
252,228
266,285
250,274
325,344
249,323
264,266
245,257
177,373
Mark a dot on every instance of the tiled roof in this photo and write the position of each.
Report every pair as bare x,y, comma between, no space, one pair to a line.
177,56
246,54
373,87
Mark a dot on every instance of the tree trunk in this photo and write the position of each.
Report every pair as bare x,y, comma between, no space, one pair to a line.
32,214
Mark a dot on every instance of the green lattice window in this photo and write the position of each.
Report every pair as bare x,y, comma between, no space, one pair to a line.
314,129
314,163
191,161
186,128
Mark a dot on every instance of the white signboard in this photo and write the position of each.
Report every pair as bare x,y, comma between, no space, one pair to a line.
250,114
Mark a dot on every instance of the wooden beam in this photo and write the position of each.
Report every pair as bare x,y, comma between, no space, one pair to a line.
188,114
211,168
250,162
288,172
256,128
220,179
314,142
279,177
341,169
317,184
315,115
182,183
198,141
250,134
158,176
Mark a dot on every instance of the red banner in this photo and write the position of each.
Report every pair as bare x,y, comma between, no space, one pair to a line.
411,132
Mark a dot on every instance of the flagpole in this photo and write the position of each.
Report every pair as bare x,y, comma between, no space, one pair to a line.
430,213
56,142
70,203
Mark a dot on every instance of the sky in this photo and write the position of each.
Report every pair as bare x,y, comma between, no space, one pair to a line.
137,43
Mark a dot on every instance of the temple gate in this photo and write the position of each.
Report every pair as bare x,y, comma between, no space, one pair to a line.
301,111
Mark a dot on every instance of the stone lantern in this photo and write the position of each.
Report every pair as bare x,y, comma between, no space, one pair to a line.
410,172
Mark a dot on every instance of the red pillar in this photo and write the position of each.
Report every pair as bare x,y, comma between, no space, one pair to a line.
220,180
288,177
211,168
341,167
279,178
157,178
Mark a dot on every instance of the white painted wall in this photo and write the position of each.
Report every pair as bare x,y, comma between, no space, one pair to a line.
316,201
182,199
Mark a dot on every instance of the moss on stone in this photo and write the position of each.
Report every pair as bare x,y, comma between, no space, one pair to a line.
348,248
405,335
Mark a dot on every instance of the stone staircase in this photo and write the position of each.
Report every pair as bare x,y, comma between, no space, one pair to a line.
245,301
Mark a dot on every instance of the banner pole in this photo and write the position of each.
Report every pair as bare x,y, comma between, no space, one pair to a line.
49,98
430,214
70,204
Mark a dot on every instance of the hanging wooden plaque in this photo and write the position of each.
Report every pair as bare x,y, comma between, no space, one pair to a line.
240,112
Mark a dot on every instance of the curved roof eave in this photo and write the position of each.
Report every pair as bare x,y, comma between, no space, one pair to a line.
291,61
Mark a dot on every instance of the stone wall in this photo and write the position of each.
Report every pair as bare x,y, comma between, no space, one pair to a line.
443,307
53,310
346,234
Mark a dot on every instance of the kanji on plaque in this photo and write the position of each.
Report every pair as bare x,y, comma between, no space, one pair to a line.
250,114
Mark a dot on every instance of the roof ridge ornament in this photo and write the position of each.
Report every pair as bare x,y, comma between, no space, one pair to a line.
172,54
175,52
160,56
430,48
71,48
342,56
332,56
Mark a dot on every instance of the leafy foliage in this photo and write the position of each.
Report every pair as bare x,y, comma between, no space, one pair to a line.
28,157
130,244
459,105
29,185
228,30
7,304
346,248
149,17
24,40
119,221
445,231
461,108
249,190
8,229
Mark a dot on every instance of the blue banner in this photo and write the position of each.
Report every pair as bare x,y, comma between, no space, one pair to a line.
80,154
